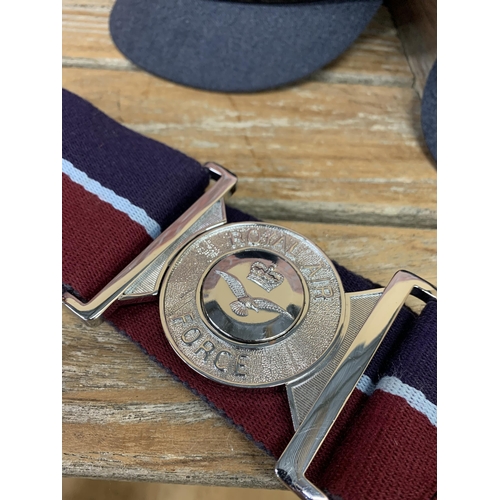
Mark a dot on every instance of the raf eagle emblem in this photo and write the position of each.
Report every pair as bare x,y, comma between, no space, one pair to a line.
245,302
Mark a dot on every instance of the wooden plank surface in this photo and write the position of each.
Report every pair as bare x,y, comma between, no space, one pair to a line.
86,489
338,157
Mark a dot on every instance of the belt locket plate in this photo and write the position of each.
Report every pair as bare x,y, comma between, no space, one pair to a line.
257,305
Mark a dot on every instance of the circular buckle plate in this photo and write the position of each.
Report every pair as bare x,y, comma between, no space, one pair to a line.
251,304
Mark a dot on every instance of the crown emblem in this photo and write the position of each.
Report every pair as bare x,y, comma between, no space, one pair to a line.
265,277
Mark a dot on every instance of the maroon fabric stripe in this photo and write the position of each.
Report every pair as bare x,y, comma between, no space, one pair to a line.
93,240
387,439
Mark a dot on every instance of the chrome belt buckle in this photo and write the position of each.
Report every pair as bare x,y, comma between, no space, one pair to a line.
254,304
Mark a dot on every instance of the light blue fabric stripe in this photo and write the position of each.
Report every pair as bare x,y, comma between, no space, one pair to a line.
366,385
415,398
137,214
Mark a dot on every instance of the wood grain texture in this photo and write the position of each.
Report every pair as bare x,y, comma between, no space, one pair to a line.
374,252
339,157
86,489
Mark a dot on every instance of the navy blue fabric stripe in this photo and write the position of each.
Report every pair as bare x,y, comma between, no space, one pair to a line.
414,361
161,180
409,352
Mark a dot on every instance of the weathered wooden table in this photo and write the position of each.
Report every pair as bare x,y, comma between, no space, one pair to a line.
339,157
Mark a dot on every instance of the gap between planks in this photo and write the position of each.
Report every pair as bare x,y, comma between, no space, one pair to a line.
337,213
